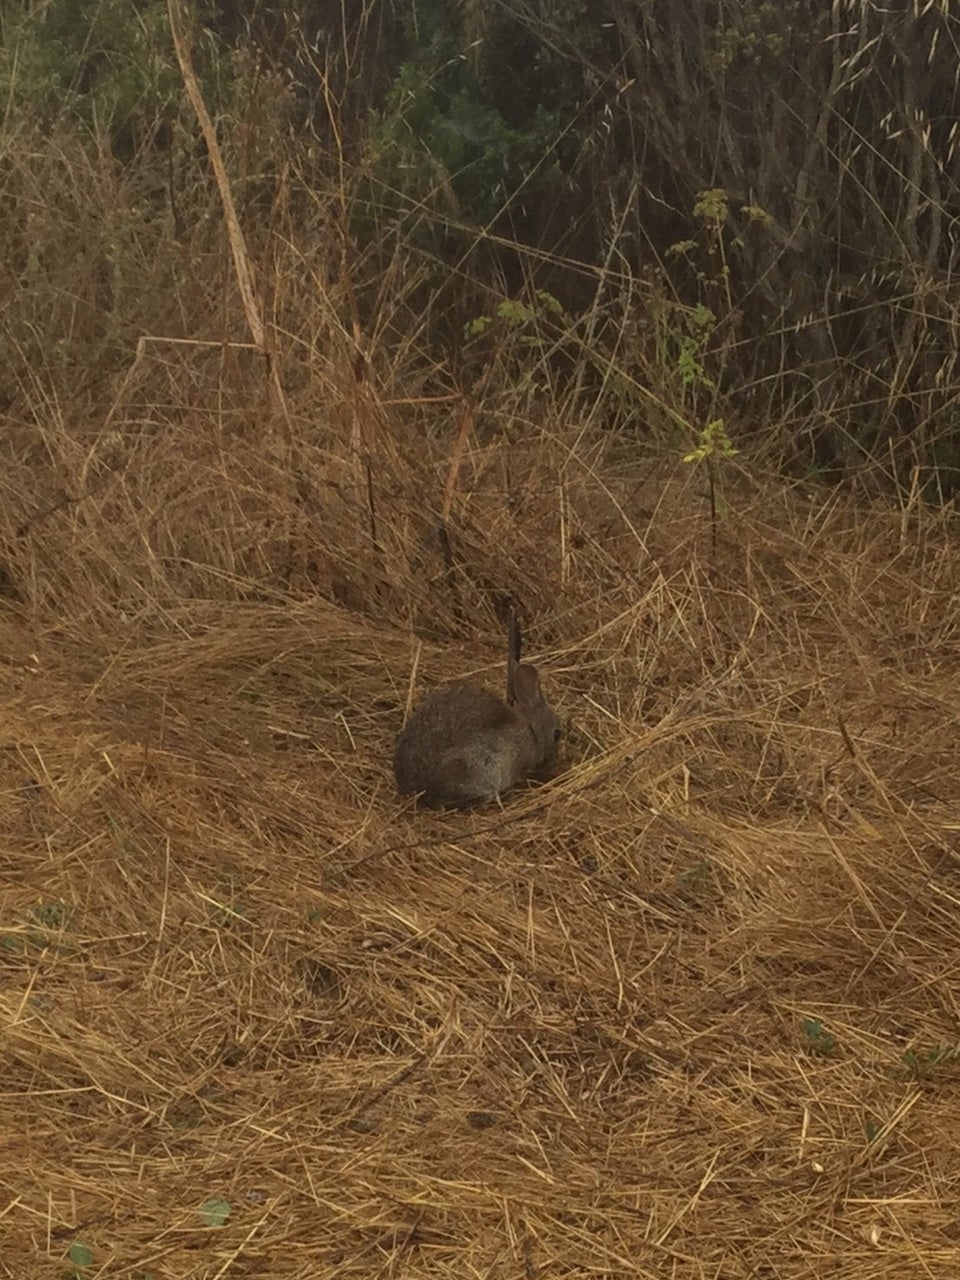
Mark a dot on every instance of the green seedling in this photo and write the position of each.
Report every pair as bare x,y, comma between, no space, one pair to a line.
50,915
714,446
818,1039
215,1212
81,1256
919,1063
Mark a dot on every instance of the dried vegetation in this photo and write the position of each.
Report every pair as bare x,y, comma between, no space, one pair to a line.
571,1038
688,1009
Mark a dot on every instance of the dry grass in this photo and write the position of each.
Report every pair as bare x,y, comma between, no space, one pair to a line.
567,1039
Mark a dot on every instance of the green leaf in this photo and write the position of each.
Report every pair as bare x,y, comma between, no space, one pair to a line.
50,915
215,1212
711,205
80,1255
755,213
549,302
474,328
819,1039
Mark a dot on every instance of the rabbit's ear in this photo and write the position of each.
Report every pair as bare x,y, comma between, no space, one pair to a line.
514,638
526,687
514,644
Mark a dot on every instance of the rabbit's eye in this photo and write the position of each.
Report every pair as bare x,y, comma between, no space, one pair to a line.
556,735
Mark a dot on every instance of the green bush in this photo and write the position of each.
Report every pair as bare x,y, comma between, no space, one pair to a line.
107,65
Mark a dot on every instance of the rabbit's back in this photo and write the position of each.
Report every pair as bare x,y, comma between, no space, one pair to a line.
460,745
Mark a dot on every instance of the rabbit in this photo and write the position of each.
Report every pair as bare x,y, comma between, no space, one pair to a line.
465,745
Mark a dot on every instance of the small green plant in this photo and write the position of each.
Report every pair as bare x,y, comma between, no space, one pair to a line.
228,915
124,844
225,903
922,1063
518,317
872,1129
524,333
713,447
697,884
215,1212
50,915
714,443
688,343
819,1040
754,35
686,332
696,881
711,208
81,1256
689,366
694,874
713,213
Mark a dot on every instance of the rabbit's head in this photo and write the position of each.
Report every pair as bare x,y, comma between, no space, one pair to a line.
525,695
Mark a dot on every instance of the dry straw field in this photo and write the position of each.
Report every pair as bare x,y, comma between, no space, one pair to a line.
688,1009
